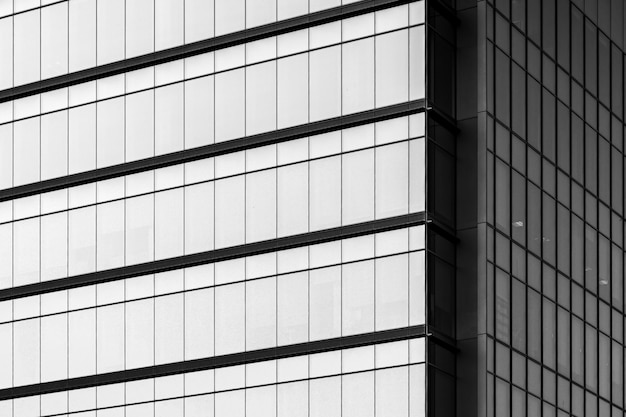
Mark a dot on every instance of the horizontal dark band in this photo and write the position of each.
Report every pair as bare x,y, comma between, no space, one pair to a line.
217,255
189,155
200,47
216,362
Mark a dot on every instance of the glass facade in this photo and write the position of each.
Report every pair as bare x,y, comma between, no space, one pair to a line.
547,129
221,208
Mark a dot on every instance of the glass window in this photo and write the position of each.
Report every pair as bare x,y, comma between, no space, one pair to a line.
325,300
82,34
392,180
325,193
26,151
357,392
54,29
261,98
325,83
261,206
293,398
6,255
168,329
230,319
82,343
110,132
26,252
417,48
54,142
110,338
325,397
392,307
358,187
292,8
139,332
139,27
53,246
199,20
417,288
230,211
169,15
229,16
261,313
168,223
199,112
293,204
26,52
26,351
110,34
6,155
229,105
82,138
110,235
199,217
139,229
53,347
168,129
260,12
293,90
392,394
392,68
357,76
293,312
6,52
199,310
358,298
140,125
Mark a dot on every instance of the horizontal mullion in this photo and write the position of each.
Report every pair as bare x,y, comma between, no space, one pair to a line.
200,47
207,151
234,359
217,255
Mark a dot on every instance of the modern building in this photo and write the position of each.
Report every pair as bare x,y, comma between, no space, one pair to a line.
285,208
214,208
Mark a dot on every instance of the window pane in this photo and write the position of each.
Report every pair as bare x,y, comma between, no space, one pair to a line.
82,241
6,51
199,218
358,298
26,47
325,299
82,37
358,187
392,68
391,180
26,252
26,352
110,235
53,246
82,343
325,193
261,98
358,76
140,229
110,132
392,292
110,37
54,142
168,228
229,105
26,151
199,112
229,211
140,125
293,90
199,20
325,83
53,347
168,129
169,17
261,314
139,27
199,330
229,319
54,45
82,138
293,311
293,199
110,338
139,334
261,206
168,329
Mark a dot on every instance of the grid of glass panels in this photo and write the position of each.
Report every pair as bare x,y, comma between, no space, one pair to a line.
321,292
70,36
304,87
359,285
364,381
320,193
555,138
